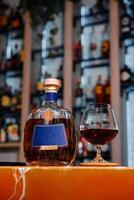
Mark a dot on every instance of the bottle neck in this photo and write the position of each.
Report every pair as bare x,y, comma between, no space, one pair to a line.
51,96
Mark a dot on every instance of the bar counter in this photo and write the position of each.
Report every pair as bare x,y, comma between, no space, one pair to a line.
66,183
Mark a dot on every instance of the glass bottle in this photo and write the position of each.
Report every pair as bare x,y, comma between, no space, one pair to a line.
125,74
78,95
2,135
14,100
99,90
50,136
125,24
3,21
60,93
93,44
6,97
78,50
89,89
15,19
105,46
107,91
39,87
13,131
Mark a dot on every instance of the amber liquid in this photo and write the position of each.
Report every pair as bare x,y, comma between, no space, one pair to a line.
99,136
61,156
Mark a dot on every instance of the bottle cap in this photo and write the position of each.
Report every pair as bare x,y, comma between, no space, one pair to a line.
52,84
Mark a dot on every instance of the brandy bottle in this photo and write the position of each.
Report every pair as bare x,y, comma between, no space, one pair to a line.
50,136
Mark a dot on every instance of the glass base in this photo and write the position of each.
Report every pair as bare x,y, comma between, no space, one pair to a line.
99,164
99,159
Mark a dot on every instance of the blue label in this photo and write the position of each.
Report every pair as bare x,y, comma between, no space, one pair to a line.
49,135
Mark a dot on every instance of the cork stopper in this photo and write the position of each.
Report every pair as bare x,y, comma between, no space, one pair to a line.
52,84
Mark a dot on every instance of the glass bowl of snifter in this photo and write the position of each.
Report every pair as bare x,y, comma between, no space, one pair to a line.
50,136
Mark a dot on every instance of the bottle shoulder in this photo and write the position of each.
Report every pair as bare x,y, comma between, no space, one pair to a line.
52,109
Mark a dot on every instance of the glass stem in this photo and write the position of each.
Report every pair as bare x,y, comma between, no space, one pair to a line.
98,157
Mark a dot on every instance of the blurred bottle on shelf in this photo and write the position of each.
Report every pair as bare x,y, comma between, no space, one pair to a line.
16,100
77,51
14,63
1,93
39,87
9,132
132,27
39,92
89,93
105,46
93,44
78,94
107,91
52,39
37,96
126,74
12,130
2,62
3,130
15,19
125,24
60,77
3,22
10,100
19,101
15,57
99,6
6,97
2,135
99,90
22,56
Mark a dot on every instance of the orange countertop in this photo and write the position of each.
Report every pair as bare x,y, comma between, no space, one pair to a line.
66,183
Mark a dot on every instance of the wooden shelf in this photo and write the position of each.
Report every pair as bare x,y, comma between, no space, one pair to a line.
10,145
